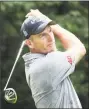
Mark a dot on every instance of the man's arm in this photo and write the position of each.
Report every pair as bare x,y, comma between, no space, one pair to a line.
74,47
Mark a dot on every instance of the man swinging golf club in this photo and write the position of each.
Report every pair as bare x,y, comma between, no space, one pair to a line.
47,69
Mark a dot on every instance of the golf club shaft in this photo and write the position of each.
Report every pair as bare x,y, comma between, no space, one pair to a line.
18,55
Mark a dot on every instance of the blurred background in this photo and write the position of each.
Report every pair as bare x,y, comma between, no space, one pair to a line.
72,15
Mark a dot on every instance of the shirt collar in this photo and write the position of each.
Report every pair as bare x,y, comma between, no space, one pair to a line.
31,56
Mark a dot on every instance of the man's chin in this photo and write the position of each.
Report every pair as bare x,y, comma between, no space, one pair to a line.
49,51
52,50
46,52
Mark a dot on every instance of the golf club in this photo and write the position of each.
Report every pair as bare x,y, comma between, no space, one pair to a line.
10,94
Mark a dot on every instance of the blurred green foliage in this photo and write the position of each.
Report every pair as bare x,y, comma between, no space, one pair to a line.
72,15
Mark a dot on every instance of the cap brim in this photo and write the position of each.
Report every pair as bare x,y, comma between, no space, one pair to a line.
43,26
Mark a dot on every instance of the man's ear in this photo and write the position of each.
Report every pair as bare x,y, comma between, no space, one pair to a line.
29,43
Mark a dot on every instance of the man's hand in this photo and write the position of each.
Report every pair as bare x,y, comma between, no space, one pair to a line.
35,12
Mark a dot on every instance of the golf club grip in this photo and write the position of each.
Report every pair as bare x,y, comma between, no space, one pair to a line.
18,55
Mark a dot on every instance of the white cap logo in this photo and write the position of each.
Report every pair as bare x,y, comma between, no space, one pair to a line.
25,33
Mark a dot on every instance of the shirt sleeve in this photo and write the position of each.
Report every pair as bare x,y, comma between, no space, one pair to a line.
68,64
63,65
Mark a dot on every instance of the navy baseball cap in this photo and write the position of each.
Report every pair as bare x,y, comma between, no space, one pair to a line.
34,25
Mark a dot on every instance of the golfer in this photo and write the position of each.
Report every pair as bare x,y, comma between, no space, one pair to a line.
47,69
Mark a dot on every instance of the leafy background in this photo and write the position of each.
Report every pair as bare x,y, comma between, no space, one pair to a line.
72,15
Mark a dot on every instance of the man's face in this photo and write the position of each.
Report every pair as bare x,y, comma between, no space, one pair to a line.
43,42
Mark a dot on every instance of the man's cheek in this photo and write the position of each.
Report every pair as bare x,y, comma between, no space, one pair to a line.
39,45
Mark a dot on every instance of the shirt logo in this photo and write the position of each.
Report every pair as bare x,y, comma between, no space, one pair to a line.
69,59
